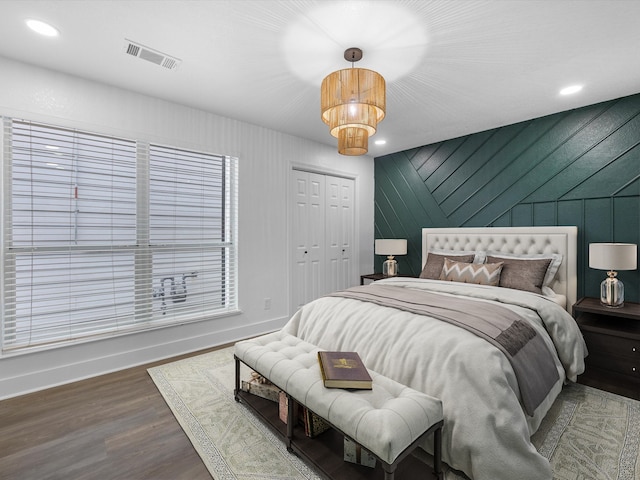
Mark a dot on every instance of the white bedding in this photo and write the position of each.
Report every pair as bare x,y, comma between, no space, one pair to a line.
486,432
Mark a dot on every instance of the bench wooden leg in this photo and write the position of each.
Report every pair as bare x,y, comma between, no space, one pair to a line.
237,388
389,469
290,421
437,453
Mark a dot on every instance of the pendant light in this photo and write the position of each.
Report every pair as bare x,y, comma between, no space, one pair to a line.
353,102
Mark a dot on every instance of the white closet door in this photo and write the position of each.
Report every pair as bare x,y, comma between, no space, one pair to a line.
323,232
308,237
339,232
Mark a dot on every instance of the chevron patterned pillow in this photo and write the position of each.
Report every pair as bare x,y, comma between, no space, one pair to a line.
478,273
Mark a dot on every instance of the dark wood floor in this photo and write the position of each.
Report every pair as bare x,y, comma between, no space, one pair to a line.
115,426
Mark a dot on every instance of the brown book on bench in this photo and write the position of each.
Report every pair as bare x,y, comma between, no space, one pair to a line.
344,370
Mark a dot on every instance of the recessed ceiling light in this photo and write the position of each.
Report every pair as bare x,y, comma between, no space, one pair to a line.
380,142
42,28
571,89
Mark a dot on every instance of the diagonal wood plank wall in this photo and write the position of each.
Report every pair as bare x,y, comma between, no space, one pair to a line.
579,167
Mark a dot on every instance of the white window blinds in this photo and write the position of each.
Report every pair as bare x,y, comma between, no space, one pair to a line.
104,235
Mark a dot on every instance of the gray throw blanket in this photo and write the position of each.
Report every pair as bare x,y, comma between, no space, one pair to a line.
526,350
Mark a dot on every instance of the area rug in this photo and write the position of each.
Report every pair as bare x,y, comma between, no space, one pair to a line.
589,434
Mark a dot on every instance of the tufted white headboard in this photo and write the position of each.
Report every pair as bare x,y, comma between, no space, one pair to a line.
519,240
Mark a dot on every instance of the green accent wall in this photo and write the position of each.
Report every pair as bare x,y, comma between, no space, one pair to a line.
580,167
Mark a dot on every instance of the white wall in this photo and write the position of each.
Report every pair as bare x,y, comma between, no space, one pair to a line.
265,158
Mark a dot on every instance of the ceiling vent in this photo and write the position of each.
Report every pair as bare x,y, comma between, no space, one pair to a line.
151,55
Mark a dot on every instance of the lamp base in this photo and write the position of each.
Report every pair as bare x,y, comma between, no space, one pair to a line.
612,291
390,267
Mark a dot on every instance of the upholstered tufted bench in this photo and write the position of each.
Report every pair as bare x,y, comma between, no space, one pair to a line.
390,420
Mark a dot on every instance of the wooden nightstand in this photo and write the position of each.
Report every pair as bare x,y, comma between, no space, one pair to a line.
613,341
377,276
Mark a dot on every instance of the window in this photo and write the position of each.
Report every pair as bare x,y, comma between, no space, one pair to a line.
105,235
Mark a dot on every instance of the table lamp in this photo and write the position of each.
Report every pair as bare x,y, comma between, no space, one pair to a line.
612,257
390,247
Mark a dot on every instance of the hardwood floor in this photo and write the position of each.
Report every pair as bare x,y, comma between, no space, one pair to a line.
115,426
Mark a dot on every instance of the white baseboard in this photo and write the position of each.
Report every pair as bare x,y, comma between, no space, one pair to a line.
30,372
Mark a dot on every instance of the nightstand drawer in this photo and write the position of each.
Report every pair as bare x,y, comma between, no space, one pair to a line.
612,345
621,365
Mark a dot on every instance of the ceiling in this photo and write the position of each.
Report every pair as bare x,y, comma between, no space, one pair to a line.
453,67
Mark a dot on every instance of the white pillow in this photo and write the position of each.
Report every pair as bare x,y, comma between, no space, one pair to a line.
480,256
555,297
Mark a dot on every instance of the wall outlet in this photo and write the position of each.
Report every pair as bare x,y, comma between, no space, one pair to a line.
267,303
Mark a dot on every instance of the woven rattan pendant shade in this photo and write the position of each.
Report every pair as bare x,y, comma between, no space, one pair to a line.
353,141
353,102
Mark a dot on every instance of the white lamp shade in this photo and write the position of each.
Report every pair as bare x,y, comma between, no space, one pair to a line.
613,256
391,246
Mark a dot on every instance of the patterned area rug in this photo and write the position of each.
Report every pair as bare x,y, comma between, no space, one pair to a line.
591,434
588,434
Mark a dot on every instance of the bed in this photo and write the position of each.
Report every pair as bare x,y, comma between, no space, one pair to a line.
489,414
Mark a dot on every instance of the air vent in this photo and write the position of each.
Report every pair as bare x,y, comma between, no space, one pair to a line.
151,55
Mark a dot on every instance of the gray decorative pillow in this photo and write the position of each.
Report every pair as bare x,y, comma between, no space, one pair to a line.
527,275
435,262
552,269
478,273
